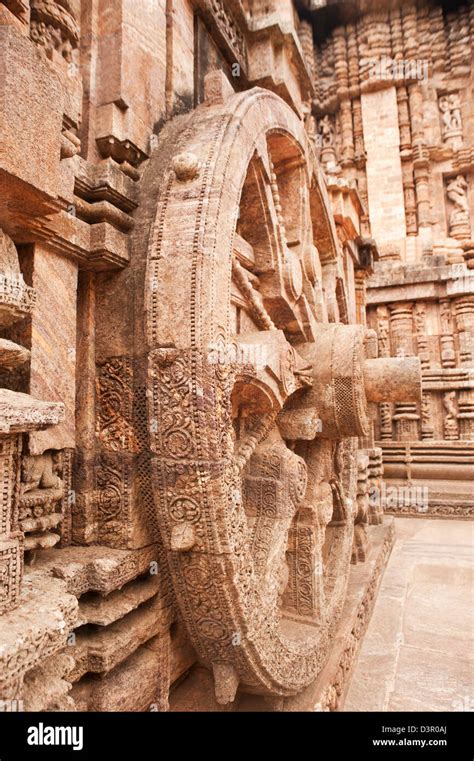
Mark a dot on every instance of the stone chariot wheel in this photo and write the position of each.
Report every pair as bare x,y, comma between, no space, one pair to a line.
254,397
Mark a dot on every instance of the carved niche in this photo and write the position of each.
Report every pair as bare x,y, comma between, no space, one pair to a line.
255,401
451,124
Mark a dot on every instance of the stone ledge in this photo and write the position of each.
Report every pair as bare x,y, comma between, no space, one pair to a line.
36,629
98,569
21,412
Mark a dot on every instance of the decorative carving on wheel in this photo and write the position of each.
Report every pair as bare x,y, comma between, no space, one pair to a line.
254,402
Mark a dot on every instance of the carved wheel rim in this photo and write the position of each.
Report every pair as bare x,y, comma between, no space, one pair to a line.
231,609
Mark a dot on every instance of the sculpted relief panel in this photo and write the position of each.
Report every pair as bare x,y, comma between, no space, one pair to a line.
415,59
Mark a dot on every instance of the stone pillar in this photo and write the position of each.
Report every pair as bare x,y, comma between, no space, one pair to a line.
407,166
404,120
360,544
421,175
85,519
464,311
383,333
347,157
448,354
427,429
402,339
384,169
420,156
360,289
466,414
401,329
359,147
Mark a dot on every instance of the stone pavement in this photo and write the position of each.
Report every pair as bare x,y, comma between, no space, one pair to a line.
418,652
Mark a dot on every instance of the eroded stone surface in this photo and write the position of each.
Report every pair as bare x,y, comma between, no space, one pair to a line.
227,247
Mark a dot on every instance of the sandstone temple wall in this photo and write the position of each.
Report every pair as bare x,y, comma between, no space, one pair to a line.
394,113
224,243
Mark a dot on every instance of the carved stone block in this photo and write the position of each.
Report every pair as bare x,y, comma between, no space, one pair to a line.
11,570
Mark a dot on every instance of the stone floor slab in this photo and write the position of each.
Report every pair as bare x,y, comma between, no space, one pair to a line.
416,654
430,679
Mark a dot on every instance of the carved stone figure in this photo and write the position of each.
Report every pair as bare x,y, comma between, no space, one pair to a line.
383,331
427,430
40,502
451,428
421,334
326,131
456,190
327,143
451,124
38,473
